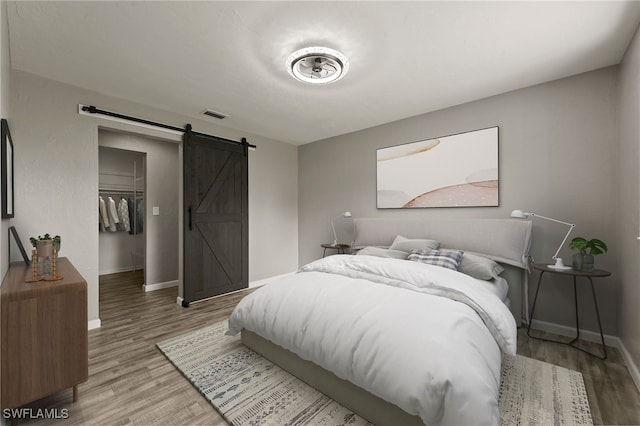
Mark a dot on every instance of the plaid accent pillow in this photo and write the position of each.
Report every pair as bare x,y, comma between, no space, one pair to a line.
446,258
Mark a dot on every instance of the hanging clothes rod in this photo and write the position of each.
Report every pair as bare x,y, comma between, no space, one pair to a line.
93,110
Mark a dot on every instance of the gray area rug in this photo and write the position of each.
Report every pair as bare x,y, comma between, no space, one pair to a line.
247,389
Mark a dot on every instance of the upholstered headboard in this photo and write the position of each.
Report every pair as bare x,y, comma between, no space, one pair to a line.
504,240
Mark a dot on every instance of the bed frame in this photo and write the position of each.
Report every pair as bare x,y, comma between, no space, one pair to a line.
506,241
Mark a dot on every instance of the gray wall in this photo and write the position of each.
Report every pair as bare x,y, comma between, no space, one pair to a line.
628,189
5,72
56,152
558,158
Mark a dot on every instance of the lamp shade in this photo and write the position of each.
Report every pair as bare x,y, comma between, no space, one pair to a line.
519,214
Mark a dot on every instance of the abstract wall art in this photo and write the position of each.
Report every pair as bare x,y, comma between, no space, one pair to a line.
459,170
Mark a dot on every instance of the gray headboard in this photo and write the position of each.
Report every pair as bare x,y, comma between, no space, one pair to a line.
504,240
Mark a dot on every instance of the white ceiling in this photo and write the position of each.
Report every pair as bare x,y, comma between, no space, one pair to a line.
407,58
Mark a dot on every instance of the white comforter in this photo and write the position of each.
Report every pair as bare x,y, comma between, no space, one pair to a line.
425,338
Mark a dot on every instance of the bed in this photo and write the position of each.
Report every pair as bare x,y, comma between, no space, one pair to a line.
400,340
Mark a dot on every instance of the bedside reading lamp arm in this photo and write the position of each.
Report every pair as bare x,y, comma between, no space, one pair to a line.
333,228
559,264
571,226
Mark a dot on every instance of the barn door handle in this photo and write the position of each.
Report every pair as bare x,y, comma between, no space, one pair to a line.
190,225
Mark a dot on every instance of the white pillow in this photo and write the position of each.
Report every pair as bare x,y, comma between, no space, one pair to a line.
383,252
407,244
479,267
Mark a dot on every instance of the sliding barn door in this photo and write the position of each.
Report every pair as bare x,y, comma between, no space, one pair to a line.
216,217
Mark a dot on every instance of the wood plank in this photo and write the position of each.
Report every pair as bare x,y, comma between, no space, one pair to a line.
613,396
215,233
44,334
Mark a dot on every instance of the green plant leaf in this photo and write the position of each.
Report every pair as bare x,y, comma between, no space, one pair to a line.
45,237
593,246
578,243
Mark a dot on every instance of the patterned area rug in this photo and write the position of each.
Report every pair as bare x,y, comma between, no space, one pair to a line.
246,389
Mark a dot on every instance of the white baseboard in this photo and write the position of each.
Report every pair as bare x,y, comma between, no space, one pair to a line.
179,299
262,282
158,286
631,366
563,330
93,324
252,284
592,336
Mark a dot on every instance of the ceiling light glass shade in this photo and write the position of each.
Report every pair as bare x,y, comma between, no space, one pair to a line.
317,65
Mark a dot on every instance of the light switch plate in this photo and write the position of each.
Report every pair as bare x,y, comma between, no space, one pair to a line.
156,211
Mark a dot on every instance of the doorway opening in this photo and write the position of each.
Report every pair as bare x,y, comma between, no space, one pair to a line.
151,169
121,185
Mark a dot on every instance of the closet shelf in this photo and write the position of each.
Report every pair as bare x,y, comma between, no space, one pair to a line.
119,190
130,175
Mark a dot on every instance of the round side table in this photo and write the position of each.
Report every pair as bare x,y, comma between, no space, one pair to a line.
339,247
589,275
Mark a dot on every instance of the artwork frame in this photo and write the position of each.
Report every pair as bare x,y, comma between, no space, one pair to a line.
16,237
7,181
457,170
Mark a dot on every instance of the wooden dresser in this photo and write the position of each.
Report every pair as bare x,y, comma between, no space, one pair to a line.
43,333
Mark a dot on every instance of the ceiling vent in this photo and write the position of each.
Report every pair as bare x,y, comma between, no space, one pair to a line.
214,114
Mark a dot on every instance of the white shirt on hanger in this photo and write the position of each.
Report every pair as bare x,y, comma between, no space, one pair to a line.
113,215
104,216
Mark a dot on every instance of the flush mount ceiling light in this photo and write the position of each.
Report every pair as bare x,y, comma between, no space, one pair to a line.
317,65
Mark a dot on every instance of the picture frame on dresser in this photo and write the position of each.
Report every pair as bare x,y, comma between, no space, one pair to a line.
16,237
7,171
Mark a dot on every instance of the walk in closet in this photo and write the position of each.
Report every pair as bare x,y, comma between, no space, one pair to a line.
121,210
145,170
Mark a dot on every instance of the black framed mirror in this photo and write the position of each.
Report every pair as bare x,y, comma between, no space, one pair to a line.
7,171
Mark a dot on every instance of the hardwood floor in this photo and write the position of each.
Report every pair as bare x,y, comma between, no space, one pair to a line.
131,382
613,396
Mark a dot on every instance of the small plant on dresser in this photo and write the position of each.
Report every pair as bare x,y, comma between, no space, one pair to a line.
45,244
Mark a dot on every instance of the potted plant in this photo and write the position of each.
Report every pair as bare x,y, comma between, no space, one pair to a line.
44,245
587,249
